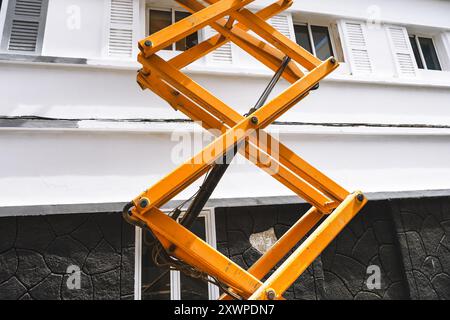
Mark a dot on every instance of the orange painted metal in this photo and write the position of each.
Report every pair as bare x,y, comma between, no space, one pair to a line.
331,202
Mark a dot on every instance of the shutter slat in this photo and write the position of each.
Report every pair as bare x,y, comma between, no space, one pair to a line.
402,51
223,54
281,23
30,8
120,41
26,18
24,35
356,43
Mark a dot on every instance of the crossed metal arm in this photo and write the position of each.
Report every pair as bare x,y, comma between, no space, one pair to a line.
330,202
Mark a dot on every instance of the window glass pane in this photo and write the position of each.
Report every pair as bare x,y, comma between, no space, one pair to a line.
416,52
155,280
302,36
191,40
322,42
195,289
429,54
159,20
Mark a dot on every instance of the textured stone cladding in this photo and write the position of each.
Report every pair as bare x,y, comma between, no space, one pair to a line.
409,240
423,228
35,252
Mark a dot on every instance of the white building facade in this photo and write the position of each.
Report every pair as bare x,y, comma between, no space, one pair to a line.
79,137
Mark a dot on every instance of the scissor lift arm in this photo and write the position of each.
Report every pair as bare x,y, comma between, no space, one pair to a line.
332,206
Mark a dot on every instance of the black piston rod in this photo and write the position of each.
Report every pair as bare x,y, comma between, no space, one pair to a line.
218,170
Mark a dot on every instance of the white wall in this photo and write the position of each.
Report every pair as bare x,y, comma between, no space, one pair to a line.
55,167
75,28
64,37
87,92
42,166
415,12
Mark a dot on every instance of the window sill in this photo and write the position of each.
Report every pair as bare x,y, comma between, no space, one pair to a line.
233,71
390,81
168,127
24,58
443,81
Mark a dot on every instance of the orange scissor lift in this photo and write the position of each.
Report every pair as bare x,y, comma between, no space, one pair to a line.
332,206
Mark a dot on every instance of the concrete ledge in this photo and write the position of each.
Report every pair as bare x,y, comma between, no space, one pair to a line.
11,57
212,203
130,65
164,125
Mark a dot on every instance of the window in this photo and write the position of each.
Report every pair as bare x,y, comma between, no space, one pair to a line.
425,53
157,283
159,19
315,39
24,26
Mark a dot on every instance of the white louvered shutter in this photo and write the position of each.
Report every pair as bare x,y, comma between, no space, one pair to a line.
223,54
355,47
283,23
24,26
122,18
402,51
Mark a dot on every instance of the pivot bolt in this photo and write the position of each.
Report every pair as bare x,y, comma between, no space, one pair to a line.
148,43
270,293
143,202
141,85
254,120
360,197
333,60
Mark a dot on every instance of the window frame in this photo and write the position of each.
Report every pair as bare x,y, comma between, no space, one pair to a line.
311,38
172,16
416,37
3,18
175,285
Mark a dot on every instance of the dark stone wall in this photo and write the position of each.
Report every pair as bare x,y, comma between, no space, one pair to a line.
35,252
409,240
423,227
369,239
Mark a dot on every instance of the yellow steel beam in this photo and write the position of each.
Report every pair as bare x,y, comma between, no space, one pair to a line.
218,108
192,169
267,261
340,193
282,247
183,94
305,254
260,50
273,36
186,246
188,25
179,102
